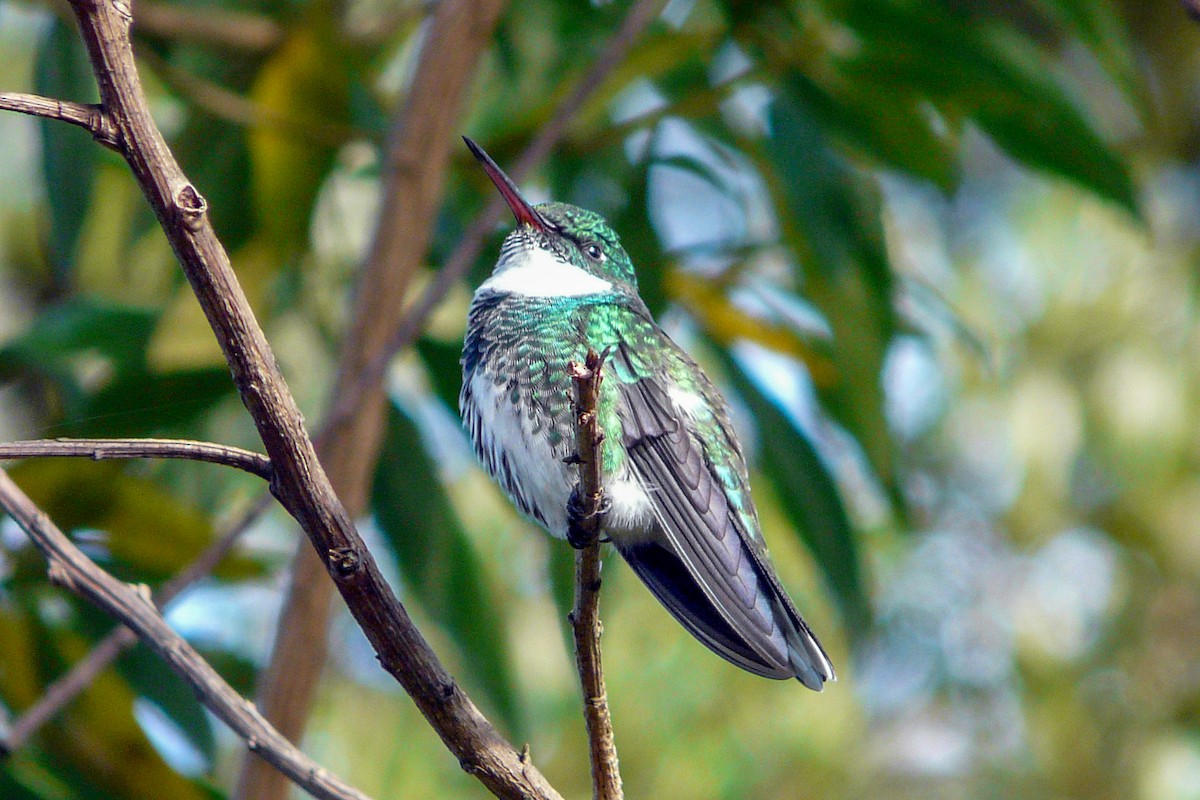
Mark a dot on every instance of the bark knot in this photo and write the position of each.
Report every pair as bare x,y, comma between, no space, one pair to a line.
191,206
344,561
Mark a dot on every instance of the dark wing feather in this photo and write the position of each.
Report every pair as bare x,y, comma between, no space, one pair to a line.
700,567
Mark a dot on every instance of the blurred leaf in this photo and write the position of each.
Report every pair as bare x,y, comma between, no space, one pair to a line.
727,323
983,71
215,156
22,778
146,534
143,403
99,736
1100,26
560,569
69,156
183,338
152,679
833,224
808,495
94,354
443,366
117,331
304,81
886,124
20,683
439,563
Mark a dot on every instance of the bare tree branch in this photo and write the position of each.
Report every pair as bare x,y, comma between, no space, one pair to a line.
81,675
414,169
615,49
585,513
86,115
104,449
71,569
299,483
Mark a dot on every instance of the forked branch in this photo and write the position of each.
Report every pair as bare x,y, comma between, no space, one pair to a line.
88,116
59,694
71,569
298,479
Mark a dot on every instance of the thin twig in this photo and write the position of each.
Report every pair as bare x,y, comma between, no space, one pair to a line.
299,481
74,571
80,676
585,616
88,116
471,244
105,449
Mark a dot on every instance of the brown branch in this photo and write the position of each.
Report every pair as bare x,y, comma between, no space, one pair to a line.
471,244
299,482
86,115
104,449
585,616
414,169
210,25
80,676
74,571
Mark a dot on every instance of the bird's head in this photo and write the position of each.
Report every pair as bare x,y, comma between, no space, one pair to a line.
558,241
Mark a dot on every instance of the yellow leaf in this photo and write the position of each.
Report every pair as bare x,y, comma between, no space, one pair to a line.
727,323
304,82
183,339
141,525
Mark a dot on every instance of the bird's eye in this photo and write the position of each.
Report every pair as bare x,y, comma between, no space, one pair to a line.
592,250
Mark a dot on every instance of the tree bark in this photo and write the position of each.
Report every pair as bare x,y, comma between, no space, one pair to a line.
414,175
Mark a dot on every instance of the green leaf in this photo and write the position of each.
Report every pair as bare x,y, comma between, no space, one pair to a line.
152,679
983,70
1100,25
147,402
832,222
808,495
94,355
305,81
560,569
443,367
99,736
116,332
145,534
439,563
215,155
886,125
69,156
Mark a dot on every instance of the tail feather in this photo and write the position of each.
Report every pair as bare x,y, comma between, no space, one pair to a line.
789,650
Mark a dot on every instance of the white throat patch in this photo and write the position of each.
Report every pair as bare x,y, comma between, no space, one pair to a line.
533,272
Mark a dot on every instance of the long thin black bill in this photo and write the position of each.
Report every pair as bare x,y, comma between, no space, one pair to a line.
521,209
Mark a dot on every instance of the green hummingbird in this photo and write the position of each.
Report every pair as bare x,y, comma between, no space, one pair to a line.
677,494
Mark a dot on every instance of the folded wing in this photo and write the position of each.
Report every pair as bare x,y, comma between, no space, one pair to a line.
699,562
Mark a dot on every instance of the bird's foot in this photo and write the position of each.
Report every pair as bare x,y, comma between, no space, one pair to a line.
583,525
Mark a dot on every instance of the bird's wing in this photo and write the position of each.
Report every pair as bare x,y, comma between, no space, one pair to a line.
699,562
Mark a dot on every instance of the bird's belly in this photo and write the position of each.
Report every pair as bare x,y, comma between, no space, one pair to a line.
519,452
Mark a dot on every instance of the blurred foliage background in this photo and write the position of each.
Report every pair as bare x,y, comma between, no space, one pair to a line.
941,256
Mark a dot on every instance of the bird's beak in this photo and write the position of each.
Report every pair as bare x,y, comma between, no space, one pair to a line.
521,209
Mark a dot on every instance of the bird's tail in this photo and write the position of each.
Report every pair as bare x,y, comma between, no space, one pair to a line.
766,636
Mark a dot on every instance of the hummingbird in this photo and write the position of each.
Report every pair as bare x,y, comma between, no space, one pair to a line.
677,503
